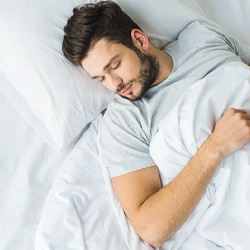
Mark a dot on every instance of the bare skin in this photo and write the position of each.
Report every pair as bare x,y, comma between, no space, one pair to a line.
114,64
156,212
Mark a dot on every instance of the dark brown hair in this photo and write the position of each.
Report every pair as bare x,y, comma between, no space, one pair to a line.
90,23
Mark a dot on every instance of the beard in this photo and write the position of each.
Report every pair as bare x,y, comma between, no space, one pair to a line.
148,74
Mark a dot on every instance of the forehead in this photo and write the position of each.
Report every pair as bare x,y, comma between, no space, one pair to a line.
100,55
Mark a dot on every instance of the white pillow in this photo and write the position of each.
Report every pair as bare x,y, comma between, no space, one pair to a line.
162,20
54,97
237,23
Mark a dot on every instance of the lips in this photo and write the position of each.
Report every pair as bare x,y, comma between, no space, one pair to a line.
126,90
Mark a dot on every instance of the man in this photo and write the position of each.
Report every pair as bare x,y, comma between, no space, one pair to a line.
114,50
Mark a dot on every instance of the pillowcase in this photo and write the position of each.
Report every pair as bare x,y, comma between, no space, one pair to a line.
56,98
237,23
162,20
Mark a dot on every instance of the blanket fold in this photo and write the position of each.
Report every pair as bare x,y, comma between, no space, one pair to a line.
222,219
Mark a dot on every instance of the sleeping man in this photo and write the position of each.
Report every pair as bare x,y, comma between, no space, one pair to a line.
115,51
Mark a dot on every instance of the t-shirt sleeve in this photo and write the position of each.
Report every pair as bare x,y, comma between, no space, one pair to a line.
242,50
123,143
238,47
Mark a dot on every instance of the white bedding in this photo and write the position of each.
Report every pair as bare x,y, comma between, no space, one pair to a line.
222,216
28,167
77,213
221,219
59,200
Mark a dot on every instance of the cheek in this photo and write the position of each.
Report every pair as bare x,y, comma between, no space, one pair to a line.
106,85
129,70
109,85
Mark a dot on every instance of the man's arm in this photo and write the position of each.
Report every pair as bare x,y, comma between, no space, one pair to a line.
157,212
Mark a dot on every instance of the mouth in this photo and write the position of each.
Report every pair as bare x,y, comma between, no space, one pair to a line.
126,90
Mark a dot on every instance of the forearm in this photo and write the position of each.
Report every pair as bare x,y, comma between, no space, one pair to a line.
157,212
165,212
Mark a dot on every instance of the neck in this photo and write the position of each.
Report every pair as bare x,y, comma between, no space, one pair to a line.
166,66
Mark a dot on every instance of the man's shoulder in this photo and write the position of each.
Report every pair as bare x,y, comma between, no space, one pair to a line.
120,110
200,27
123,119
198,34
118,104
121,104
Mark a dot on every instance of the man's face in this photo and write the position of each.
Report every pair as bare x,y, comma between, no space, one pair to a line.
124,71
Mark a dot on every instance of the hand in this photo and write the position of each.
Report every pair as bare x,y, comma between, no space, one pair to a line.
232,131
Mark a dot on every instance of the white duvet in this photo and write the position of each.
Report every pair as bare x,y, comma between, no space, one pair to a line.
222,218
79,212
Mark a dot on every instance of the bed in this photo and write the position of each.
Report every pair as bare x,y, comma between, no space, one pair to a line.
54,193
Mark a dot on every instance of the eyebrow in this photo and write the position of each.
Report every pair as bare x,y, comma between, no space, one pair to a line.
107,65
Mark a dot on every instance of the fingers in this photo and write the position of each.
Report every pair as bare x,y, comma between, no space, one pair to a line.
241,111
232,130
242,114
233,111
246,117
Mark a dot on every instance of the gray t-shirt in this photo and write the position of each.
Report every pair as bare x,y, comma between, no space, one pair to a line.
128,126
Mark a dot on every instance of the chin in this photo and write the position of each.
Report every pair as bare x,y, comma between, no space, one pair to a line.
136,96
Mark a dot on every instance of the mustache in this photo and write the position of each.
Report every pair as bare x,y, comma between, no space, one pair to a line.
124,85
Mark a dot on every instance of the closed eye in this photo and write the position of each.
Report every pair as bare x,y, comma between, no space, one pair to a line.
115,65
98,78
101,79
109,67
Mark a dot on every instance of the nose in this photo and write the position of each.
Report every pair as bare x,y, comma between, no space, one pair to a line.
114,81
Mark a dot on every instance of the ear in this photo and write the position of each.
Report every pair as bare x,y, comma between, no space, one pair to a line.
140,39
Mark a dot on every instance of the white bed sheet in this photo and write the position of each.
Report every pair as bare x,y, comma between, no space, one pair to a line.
51,200
78,213
28,167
